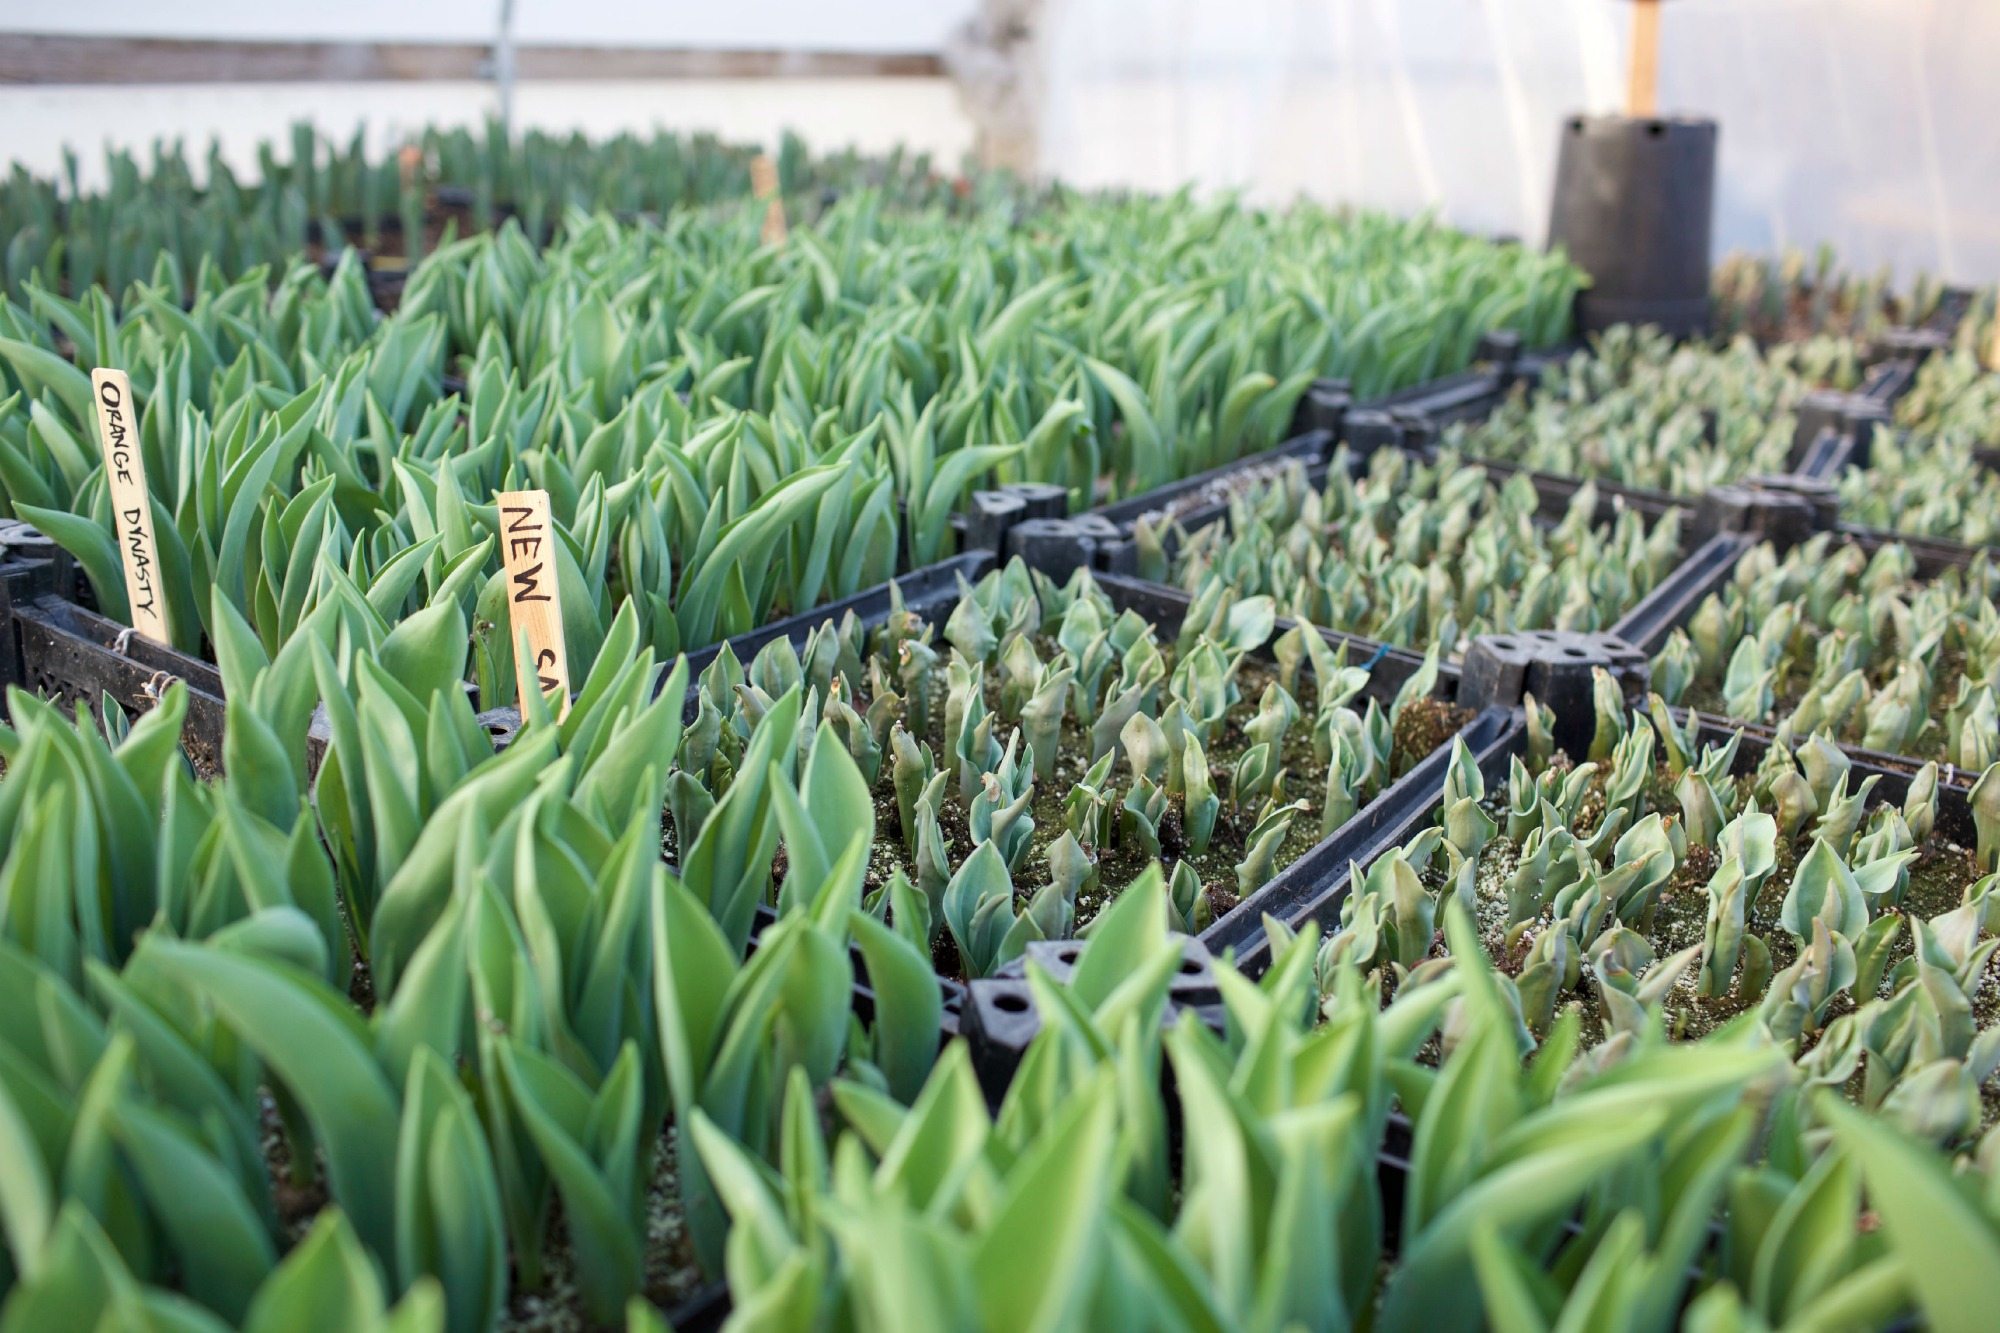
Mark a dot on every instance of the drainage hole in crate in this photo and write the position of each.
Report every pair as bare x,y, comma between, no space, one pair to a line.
1190,967
1574,651
1010,1003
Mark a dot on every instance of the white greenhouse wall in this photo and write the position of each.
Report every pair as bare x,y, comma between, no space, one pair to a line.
831,113
816,25
1872,124
37,121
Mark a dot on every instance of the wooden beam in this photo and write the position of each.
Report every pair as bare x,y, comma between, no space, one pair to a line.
45,58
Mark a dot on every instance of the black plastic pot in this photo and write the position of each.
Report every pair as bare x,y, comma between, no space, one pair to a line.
1634,206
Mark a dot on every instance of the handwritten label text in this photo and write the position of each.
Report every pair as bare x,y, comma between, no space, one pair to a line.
534,596
131,503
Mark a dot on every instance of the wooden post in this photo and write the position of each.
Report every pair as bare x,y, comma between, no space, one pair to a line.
131,502
764,185
1642,94
534,597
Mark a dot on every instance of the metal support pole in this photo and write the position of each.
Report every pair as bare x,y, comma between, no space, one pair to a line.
503,67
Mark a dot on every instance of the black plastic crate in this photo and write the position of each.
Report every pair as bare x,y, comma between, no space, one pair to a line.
1506,739
1327,416
1646,624
1406,809
1673,604
953,990
1901,356
1556,491
1101,537
920,588
1635,632
1944,548
1389,666
1832,425
59,648
923,591
1111,545
55,645
1954,806
705,1311
932,594
999,1021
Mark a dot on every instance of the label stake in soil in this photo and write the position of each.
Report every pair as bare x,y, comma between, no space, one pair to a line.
131,502
764,185
534,596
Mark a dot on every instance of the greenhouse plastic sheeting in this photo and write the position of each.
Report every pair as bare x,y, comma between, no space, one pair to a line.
1870,124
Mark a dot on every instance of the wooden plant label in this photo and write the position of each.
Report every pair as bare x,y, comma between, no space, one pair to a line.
131,502
1642,92
764,185
534,596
